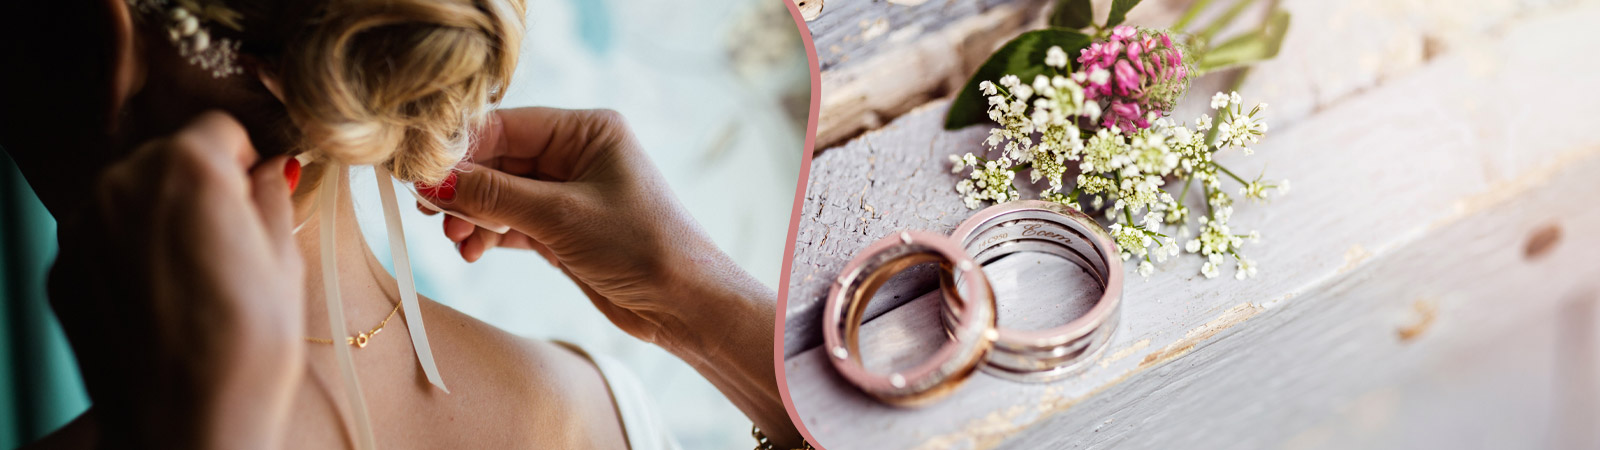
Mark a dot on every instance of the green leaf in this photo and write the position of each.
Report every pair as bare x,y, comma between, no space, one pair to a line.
1023,57
1074,14
1119,11
1255,46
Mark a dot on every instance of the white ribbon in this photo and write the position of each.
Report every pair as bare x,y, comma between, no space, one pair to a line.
402,273
328,214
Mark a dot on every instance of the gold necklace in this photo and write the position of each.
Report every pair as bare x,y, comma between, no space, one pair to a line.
360,339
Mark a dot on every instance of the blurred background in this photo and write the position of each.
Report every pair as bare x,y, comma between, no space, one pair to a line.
717,91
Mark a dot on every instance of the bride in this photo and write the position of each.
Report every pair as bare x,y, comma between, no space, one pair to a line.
193,152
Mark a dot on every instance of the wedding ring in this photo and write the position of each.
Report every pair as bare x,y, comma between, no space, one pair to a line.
1050,228
969,309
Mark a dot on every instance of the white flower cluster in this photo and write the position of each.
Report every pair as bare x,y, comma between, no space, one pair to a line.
990,180
1243,128
1047,128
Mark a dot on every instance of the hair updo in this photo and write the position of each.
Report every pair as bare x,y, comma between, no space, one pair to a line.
397,82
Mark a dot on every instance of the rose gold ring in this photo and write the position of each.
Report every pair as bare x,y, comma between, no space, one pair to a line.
1046,227
970,317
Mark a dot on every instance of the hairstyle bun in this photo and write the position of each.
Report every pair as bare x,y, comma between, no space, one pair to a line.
397,82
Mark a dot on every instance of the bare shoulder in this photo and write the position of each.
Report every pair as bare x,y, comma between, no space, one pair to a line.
506,391
539,384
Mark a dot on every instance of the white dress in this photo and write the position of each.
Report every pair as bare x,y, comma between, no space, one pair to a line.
641,422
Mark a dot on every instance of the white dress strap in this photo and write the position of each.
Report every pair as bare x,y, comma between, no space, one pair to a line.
641,423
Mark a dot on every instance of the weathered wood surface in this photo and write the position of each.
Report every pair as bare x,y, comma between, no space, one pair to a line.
1413,247
880,59
853,32
1335,50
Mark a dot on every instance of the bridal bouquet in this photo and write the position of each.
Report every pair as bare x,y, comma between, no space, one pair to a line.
1097,101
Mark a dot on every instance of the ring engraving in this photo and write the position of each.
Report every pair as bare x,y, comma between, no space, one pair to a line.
1050,228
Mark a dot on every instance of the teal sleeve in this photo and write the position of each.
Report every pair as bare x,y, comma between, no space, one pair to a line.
40,388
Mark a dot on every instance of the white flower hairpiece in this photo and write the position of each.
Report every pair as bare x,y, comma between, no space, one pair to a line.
195,41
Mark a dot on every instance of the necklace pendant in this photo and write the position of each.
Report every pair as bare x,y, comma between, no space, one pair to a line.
361,340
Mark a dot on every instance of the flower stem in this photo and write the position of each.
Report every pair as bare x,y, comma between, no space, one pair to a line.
1222,21
1188,15
1238,81
1230,173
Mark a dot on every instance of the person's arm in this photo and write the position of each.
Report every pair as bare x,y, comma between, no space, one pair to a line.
728,339
574,186
180,292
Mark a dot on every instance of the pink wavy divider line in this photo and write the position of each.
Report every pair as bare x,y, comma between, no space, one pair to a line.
794,222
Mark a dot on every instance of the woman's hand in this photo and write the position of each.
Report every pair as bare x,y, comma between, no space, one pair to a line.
576,187
181,293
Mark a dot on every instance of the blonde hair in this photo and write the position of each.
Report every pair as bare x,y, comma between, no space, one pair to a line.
397,82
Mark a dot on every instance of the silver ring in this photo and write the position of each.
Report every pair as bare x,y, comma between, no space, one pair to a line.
1046,227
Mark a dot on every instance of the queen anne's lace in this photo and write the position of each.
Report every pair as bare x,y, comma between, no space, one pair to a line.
1063,121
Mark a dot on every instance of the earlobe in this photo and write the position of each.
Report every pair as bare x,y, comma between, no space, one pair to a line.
270,81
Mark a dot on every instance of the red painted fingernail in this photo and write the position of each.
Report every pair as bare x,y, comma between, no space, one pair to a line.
291,172
445,190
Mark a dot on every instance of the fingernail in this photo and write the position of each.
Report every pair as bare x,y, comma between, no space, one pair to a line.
291,172
445,190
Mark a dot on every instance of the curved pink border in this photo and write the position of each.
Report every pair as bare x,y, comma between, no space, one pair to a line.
794,222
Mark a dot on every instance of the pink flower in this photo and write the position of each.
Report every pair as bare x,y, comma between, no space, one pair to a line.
1147,74
1125,116
1126,78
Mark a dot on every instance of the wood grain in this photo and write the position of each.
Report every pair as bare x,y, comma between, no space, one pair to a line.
881,59
1423,185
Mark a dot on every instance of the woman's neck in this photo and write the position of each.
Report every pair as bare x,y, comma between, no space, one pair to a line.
366,289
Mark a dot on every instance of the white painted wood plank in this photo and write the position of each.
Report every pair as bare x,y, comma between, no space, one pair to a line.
1336,49
1577,376
851,33
882,59
886,59
1420,176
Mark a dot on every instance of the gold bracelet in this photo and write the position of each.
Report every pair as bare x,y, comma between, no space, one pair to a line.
763,444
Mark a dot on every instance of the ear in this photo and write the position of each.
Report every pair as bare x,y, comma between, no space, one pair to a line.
269,80
129,70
